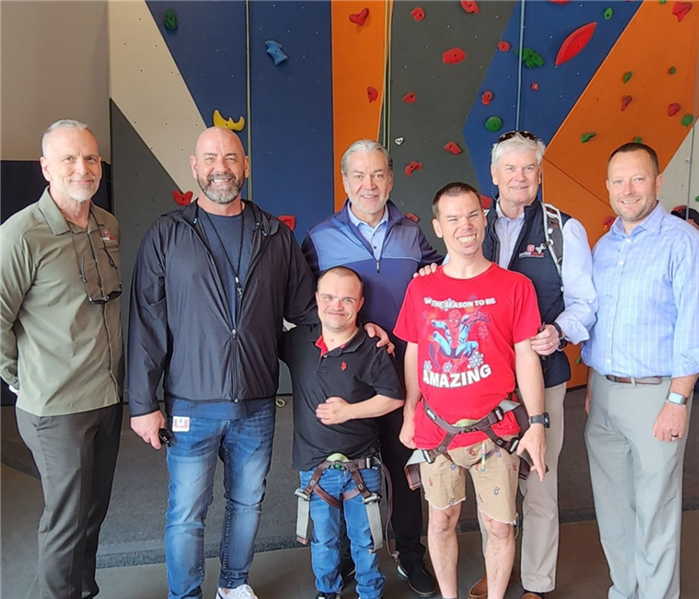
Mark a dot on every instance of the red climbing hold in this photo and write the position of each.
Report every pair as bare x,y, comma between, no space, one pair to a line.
673,109
360,17
410,97
453,56
487,97
288,220
471,8
486,202
559,1
417,13
372,93
182,198
413,217
608,222
575,42
680,10
503,46
625,101
412,167
535,87
453,148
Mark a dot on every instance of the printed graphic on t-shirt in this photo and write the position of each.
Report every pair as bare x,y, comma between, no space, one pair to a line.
455,332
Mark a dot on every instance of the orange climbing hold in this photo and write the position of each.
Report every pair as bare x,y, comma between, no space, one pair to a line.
575,42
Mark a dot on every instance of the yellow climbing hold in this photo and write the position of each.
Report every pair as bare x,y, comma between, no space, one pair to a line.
219,121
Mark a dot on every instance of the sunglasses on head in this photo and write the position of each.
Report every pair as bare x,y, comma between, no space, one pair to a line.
510,134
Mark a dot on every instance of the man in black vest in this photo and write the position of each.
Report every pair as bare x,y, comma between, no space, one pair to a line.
559,263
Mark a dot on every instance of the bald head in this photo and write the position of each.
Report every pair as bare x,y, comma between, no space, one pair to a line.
219,165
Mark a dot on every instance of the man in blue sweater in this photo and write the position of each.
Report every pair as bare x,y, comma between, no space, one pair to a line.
371,236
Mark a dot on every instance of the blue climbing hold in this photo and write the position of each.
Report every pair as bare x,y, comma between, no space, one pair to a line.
274,49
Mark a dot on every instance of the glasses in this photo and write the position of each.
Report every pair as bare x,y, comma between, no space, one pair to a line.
510,134
102,297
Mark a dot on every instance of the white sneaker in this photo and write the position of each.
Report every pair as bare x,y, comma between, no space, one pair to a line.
242,592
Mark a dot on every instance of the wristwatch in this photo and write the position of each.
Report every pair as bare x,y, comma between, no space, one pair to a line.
540,419
562,340
677,398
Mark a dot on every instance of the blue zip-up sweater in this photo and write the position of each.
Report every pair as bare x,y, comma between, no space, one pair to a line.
336,241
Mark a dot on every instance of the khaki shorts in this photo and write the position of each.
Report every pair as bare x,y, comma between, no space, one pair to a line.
444,481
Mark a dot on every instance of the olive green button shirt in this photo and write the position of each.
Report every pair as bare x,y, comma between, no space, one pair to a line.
63,353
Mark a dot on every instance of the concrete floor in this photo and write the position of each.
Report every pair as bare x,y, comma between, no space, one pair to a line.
287,573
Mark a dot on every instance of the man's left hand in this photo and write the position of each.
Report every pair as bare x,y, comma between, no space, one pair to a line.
374,330
671,423
534,442
335,410
547,341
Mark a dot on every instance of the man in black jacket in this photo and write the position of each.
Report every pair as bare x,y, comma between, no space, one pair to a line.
211,285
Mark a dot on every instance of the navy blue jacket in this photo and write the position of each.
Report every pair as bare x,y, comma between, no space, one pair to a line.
532,258
336,241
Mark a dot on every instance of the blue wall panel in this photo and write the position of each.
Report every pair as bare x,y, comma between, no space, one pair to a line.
542,111
209,50
291,115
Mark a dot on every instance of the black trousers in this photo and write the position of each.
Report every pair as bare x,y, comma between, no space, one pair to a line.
76,456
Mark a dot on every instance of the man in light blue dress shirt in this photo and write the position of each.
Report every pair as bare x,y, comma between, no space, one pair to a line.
643,355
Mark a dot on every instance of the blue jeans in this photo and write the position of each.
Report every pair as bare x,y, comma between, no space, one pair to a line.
325,544
245,447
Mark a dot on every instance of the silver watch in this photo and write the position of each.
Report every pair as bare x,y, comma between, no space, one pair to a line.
676,398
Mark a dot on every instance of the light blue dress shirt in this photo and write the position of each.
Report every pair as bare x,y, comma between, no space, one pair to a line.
648,286
579,295
374,235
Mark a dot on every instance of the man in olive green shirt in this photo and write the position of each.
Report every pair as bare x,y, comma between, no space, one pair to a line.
60,333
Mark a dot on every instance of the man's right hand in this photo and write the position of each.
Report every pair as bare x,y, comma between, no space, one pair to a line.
147,427
427,270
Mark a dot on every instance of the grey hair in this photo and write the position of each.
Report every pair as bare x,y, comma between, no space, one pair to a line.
517,143
62,124
365,145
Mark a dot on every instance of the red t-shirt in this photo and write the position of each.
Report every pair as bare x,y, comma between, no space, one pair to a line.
465,330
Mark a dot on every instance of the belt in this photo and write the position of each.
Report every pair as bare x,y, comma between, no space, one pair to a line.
649,380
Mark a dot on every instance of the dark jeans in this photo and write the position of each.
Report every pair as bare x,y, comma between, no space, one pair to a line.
76,456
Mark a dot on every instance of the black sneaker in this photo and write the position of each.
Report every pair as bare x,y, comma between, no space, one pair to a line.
327,596
420,579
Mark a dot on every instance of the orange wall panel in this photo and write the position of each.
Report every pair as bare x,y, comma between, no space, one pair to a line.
653,42
359,59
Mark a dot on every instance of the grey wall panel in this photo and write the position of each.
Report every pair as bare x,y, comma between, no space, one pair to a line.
444,93
142,191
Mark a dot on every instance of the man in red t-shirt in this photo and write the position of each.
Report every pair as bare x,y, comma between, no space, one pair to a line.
469,328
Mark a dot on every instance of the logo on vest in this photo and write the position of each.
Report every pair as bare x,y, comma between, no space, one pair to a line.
534,251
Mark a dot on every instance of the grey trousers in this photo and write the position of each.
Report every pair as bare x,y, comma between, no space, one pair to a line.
637,489
540,529
76,456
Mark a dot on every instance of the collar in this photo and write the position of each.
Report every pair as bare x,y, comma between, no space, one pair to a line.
528,213
55,219
652,223
359,223
315,335
501,214
391,211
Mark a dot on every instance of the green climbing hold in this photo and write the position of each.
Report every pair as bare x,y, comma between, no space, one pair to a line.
170,20
531,58
672,70
663,1
585,137
627,76
493,124
608,14
638,140
696,199
578,360
687,119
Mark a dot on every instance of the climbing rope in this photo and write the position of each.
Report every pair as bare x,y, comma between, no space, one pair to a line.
387,53
248,94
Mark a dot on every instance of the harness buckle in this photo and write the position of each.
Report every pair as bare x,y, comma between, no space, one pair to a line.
300,493
373,498
499,414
